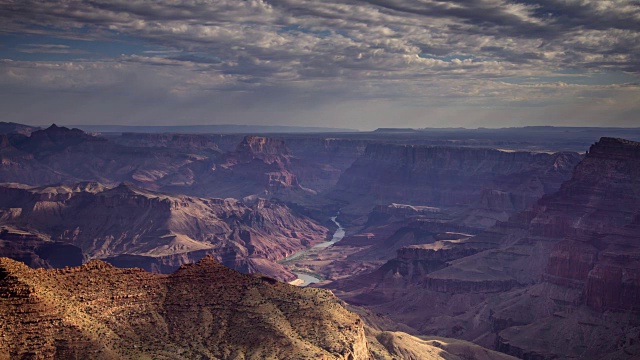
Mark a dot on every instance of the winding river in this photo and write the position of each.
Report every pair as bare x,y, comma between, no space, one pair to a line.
337,236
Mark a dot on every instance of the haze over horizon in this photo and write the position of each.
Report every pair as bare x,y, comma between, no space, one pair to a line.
338,63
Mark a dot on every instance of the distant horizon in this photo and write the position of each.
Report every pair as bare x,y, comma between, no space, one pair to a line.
80,126
310,129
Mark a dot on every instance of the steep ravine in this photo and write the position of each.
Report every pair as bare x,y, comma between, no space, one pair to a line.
306,278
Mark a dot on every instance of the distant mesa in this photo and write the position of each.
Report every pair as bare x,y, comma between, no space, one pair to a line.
395,130
212,129
14,128
260,145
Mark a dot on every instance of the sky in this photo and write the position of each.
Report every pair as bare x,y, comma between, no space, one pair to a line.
329,63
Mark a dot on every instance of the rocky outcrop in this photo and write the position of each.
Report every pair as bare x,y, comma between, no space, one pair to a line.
262,147
410,347
600,254
275,156
259,167
163,230
202,310
405,211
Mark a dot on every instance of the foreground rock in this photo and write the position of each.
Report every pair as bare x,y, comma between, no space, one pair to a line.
203,311
129,226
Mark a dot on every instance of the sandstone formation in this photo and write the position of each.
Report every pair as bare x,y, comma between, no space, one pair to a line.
199,165
203,311
318,162
557,280
130,226
476,186
258,166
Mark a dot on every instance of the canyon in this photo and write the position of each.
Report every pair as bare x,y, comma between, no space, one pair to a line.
438,243
568,265
127,226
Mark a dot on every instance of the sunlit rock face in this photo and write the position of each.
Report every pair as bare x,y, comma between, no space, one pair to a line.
202,310
570,264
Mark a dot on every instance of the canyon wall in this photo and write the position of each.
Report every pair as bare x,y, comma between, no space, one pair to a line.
569,264
489,184
163,230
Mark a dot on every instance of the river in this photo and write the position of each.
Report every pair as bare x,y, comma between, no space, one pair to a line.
337,236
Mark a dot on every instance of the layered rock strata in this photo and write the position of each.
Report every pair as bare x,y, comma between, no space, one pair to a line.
489,185
568,265
203,310
131,226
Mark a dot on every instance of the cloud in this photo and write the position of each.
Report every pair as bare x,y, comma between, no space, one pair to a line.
48,49
426,53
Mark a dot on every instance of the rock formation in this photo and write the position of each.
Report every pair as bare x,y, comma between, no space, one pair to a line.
258,166
130,226
198,165
569,265
202,310
477,186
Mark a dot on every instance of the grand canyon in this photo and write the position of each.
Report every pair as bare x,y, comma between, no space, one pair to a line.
396,244
336,179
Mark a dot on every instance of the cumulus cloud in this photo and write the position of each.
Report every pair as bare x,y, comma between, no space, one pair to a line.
316,54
